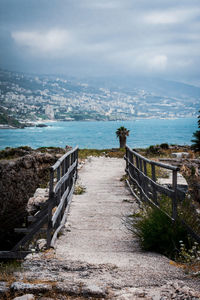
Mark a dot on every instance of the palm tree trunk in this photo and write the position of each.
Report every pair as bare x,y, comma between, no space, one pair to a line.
122,141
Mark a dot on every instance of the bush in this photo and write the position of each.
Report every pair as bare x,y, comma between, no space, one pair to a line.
153,150
164,146
158,233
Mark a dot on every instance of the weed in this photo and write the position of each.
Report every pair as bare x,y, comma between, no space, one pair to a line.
7,268
157,232
190,258
79,190
164,146
118,153
124,177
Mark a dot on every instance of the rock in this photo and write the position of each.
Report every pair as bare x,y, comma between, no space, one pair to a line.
93,290
40,196
30,287
25,297
3,287
41,244
19,178
180,154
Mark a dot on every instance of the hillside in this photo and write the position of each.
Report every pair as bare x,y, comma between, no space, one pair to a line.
5,119
41,97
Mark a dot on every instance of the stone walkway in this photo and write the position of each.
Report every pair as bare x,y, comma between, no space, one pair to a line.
96,256
95,233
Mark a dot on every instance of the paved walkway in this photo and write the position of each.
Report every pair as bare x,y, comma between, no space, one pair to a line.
96,230
96,256
98,247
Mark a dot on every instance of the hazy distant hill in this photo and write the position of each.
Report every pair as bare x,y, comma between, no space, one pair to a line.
40,97
154,85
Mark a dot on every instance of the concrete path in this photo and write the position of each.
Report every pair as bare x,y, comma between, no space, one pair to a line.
98,249
96,233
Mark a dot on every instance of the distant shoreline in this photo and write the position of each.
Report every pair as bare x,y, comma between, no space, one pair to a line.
36,123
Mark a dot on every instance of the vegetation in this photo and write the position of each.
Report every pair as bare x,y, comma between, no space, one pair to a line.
84,153
196,141
122,133
79,190
190,258
7,268
153,150
158,233
5,119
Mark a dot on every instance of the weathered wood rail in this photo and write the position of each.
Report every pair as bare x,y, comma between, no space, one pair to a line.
52,217
142,175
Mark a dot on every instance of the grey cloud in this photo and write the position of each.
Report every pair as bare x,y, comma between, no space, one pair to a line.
100,37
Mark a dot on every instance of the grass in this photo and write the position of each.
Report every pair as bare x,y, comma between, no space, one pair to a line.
79,190
157,233
85,153
7,268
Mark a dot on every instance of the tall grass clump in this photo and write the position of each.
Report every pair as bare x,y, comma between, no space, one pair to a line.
157,232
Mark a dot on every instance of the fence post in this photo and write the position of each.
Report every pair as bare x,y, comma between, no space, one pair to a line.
174,199
50,207
153,172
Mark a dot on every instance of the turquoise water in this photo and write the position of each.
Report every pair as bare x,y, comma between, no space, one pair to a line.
101,135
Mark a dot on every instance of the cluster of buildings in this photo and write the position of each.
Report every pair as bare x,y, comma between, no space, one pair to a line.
29,98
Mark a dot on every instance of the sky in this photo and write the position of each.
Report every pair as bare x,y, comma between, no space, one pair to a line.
158,38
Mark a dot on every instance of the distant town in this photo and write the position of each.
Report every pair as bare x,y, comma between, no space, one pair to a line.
29,98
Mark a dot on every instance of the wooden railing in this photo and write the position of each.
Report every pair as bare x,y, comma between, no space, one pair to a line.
52,216
142,175
62,180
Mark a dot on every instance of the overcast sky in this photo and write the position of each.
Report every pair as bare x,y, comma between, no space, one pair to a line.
102,37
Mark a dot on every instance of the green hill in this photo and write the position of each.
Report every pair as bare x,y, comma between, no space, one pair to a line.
5,119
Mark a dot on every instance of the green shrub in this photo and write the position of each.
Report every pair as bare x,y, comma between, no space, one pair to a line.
164,146
158,233
153,150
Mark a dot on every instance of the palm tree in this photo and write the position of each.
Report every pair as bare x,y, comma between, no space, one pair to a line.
122,133
196,141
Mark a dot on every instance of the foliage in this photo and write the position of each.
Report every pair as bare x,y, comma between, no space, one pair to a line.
190,258
153,150
7,268
79,190
8,120
158,233
122,133
196,138
10,153
84,153
164,146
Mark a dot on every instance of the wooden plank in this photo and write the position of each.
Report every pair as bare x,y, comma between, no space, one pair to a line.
49,228
134,194
27,230
174,198
160,188
64,219
58,173
153,172
65,177
159,164
145,167
191,231
31,233
149,200
51,183
14,254
57,164
60,206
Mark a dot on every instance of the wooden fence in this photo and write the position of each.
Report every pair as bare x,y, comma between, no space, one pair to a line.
142,175
52,216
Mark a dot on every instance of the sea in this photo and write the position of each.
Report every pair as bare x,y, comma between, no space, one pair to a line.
101,134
